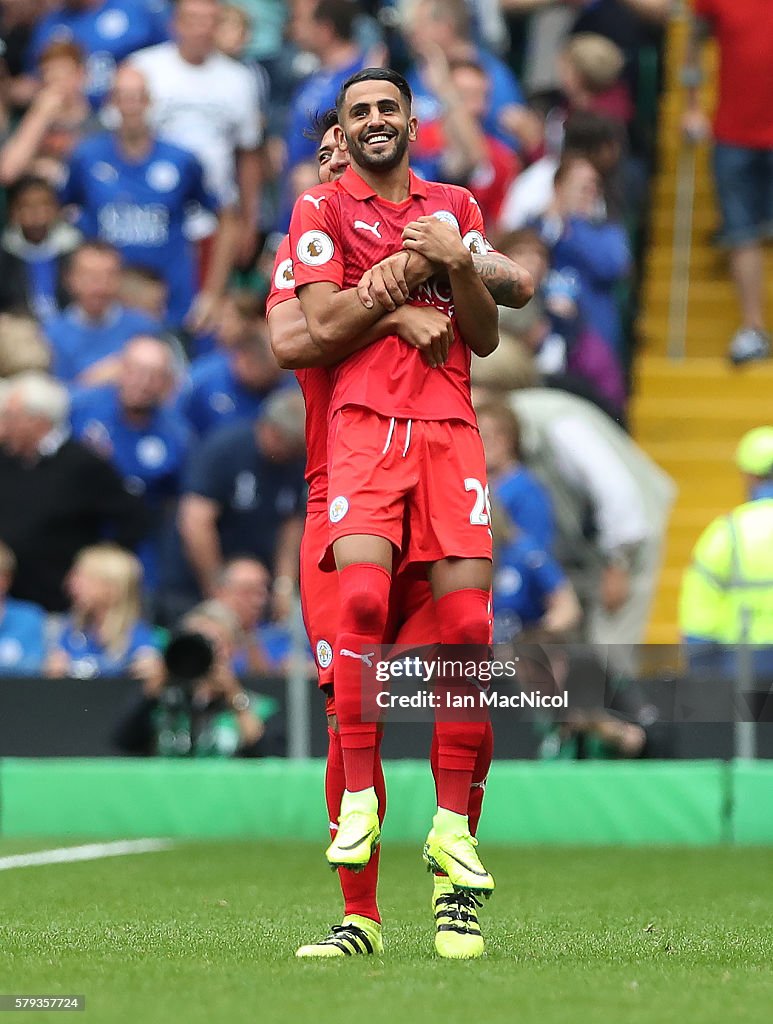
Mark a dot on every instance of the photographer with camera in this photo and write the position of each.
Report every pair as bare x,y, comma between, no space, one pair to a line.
197,707
607,716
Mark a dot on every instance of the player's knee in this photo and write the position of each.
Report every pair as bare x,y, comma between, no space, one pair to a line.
364,592
470,627
464,617
365,612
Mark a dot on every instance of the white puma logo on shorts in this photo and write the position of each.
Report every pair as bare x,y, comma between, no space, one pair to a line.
345,653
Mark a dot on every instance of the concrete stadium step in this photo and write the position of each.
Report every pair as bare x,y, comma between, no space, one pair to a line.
648,431
704,219
666,189
708,271
697,517
670,159
704,259
715,300
745,409
696,484
706,336
673,455
714,477
740,386
659,370
664,423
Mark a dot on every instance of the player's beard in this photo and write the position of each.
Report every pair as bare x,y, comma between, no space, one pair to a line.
385,160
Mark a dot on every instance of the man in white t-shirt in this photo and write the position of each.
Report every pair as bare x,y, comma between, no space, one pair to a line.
208,103
599,478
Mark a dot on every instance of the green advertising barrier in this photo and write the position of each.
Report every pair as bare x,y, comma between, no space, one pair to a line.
526,802
103,797
752,817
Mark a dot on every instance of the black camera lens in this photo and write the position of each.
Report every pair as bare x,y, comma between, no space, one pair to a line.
189,656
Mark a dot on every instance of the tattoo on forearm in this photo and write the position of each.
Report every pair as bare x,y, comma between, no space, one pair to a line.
503,282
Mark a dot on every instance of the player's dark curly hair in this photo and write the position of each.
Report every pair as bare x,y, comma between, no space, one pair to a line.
375,75
320,124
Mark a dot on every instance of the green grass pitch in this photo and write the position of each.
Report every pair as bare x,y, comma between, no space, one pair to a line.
206,933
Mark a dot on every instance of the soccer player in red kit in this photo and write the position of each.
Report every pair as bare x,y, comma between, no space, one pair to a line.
403,445
360,931
412,616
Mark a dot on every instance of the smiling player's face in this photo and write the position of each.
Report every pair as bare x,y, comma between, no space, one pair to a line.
377,125
332,160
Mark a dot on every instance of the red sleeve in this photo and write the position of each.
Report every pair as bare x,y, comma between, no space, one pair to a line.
314,238
282,278
471,222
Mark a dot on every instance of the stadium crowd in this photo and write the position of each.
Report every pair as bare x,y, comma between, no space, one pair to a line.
151,450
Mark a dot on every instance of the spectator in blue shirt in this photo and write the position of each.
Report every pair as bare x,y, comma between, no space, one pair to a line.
22,626
530,591
445,25
583,242
103,633
244,494
135,191
87,338
33,251
244,586
327,31
232,383
106,30
522,496
133,425
566,352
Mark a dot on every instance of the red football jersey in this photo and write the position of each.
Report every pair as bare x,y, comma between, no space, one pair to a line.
340,230
315,384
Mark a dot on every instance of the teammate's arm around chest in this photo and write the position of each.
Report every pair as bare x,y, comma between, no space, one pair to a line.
475,310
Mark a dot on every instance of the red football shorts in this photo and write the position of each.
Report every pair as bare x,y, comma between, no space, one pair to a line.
422,480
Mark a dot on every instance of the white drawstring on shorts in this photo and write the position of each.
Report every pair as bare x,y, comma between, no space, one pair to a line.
389,436
391,433
407,437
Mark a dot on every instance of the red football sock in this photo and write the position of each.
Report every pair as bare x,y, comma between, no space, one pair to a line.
364,602
463,618
359,888
479,776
